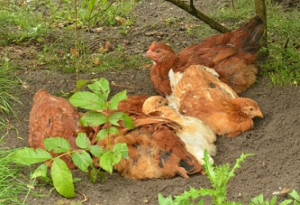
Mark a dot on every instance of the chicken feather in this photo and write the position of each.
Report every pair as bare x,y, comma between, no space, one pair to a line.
196,135
202,95
155,151
231,55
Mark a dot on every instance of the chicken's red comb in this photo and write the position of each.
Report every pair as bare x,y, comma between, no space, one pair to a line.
152,47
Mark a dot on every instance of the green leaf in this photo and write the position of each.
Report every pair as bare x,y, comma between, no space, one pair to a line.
209,169
93,119
122,149
83,141
273,200
114,101
91,5
27,156
207,192
127,121
62,178
295,195
257,200
101,88
82,160
87,100
102,134
114,130
106,161
41,171
110,158
165,201
57,144
238,162
115,117
97,151
93,174
81,83
288,201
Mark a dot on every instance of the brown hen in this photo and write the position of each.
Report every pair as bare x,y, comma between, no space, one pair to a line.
231,54
196,135
200,94
155,151
52,116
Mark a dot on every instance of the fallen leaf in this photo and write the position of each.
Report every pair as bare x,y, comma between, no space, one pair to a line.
285,190
96,61
121,20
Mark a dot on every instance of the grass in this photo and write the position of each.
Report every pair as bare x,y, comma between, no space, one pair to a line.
7,100
49,25
20,24
13,184
283,63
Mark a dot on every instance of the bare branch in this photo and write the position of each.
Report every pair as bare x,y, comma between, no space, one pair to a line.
193,11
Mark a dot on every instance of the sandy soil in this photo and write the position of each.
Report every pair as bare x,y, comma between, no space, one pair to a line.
274,140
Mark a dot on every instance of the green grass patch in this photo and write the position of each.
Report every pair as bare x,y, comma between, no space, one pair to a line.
7,100
283,63
13,184
20,24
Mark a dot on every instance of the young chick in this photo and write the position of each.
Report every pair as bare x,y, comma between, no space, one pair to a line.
202,95
196,135
155,151
231,54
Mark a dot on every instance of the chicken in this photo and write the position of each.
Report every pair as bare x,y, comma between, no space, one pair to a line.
132,103
195,77
155,151
52,116
201,94
231,54
196,135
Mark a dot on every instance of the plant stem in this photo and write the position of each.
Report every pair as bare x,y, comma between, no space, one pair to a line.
76,40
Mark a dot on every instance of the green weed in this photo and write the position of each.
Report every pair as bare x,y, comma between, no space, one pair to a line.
219,177
92,101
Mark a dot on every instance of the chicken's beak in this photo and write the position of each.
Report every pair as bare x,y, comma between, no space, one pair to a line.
259,114
147,54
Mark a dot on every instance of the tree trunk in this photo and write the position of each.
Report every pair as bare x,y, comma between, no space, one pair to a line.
260,9
193,11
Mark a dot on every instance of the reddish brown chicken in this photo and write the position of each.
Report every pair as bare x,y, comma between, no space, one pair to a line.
154,150
231,54
133,103
201,94
52,116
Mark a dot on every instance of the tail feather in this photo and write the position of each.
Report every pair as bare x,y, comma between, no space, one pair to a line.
248,36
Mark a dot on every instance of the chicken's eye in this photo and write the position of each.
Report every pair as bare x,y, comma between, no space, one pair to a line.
157,51
251,109
159,102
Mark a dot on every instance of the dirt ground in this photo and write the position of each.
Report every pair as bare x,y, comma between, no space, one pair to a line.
275,139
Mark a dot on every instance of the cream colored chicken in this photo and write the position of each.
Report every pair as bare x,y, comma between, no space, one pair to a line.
196,135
